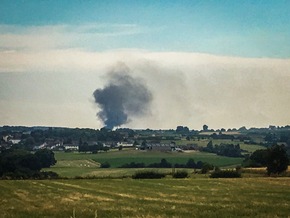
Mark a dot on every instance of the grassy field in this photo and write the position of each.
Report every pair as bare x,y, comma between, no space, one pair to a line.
203,142
85,164
199,197
82,164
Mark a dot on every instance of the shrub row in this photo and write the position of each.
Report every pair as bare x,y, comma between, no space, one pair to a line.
165,164
30,175
180,174
148,175
226,174
158,175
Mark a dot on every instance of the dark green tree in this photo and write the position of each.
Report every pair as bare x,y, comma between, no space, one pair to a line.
205,127
260,158
190,163
165,164
105,165
18,162
30,161
277,161
210,146
46,158
182,130
206,167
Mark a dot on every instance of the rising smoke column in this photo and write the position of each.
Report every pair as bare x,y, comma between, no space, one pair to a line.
122,98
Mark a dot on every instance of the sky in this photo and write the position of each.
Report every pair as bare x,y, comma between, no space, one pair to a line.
217,62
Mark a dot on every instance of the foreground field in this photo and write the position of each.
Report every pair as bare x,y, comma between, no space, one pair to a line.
259,197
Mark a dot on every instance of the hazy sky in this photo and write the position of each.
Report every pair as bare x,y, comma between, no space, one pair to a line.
217,62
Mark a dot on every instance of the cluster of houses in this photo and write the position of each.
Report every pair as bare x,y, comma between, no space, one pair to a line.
8,139
165,147
161,147
58,145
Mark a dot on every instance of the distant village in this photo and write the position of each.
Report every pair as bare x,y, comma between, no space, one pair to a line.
180,139
58,139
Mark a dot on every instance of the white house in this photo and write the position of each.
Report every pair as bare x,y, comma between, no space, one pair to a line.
71,147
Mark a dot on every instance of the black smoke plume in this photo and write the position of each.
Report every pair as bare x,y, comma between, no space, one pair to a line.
122,98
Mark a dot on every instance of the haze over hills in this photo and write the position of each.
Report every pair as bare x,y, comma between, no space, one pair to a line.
222,63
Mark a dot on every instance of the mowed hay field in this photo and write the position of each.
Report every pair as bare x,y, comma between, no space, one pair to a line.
202,197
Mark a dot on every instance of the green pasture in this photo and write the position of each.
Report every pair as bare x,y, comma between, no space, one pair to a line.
203,143
249,148
199,197
84,164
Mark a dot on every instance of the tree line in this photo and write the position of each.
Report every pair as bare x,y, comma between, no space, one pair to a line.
22,164
191,164
228,150
274,158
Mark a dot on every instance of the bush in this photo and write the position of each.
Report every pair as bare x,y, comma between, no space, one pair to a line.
206,167
19,175
277,161
180,174
48,175
177,165
105,165
163,164
226,174
133,165
46,158
239,169
148,175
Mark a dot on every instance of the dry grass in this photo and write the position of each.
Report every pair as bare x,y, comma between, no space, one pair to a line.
199,197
